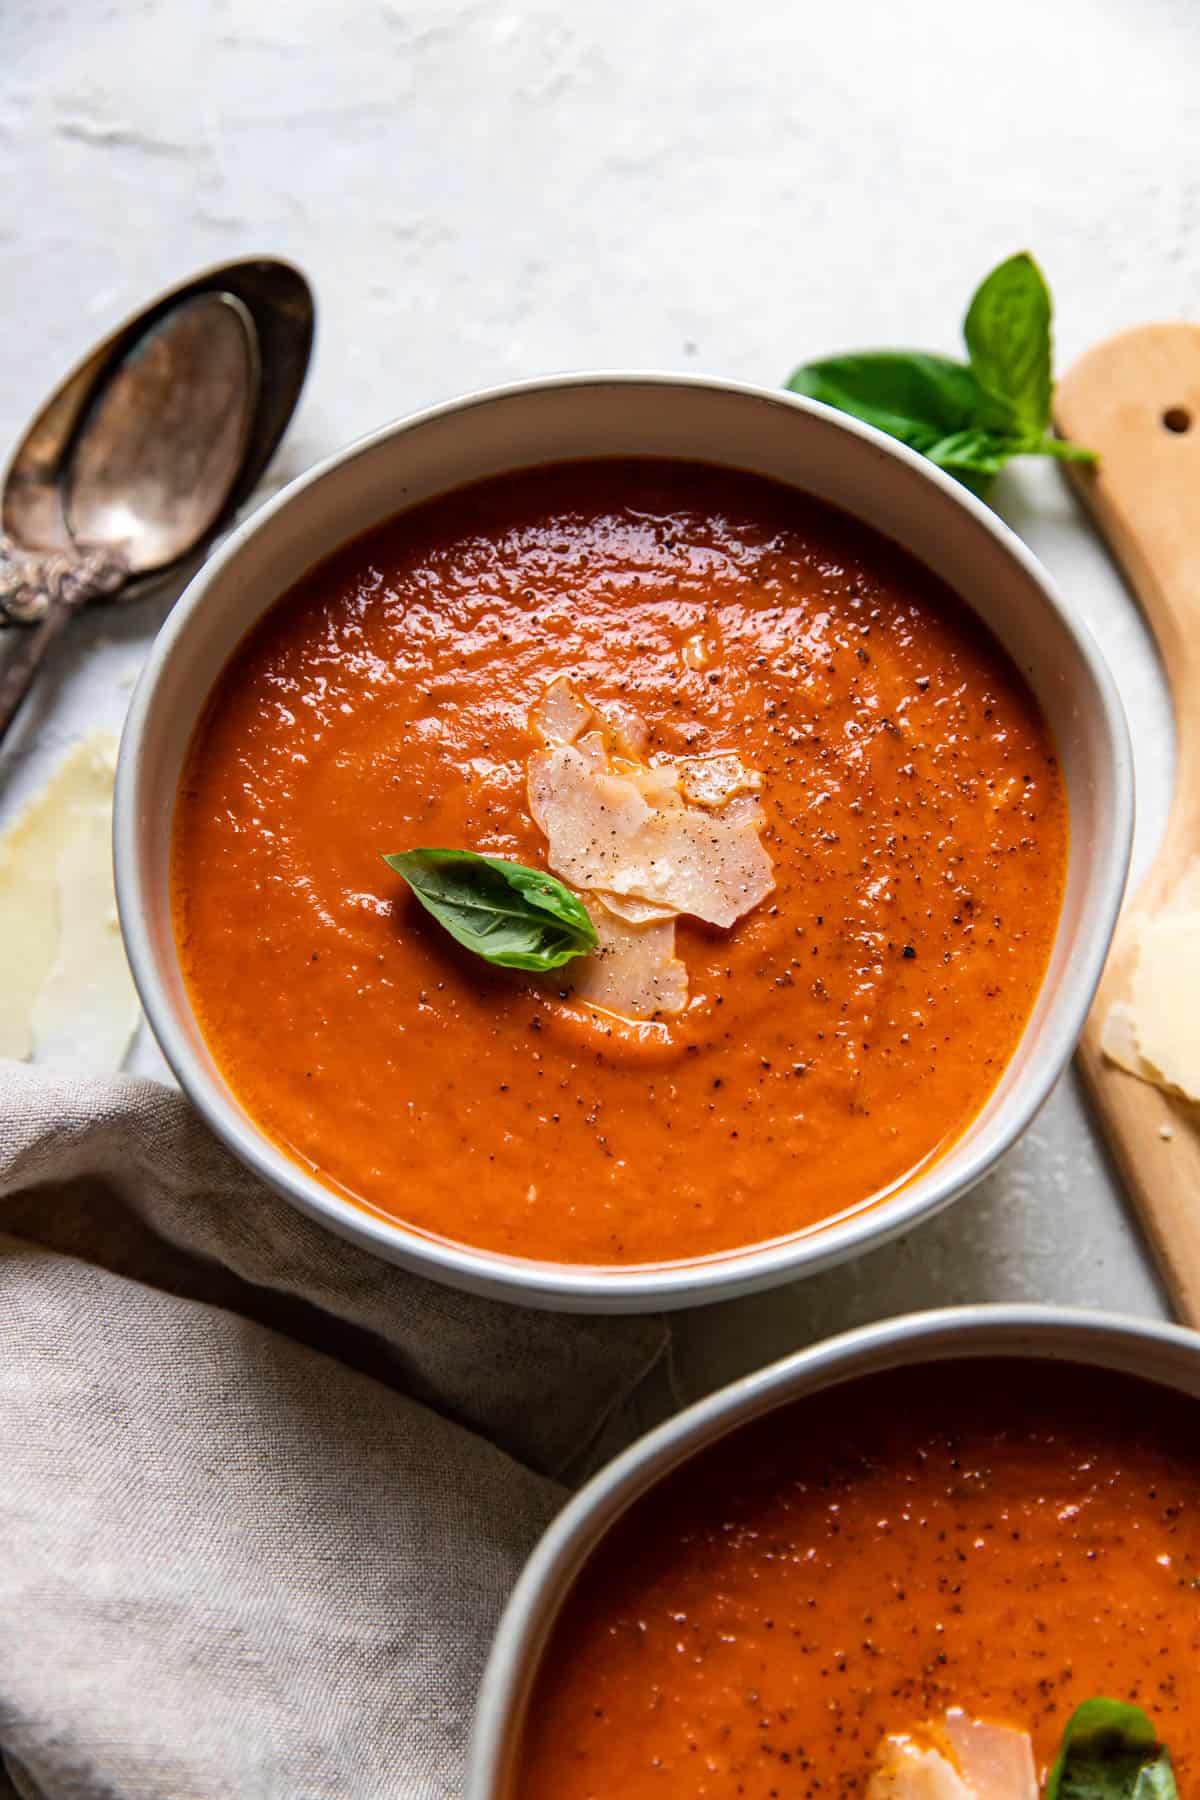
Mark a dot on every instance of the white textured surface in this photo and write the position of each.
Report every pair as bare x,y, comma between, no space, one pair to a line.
484,191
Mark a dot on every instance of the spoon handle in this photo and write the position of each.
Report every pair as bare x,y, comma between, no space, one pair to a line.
19,669
41,590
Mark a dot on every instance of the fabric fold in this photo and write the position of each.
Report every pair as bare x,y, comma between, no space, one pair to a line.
262,1495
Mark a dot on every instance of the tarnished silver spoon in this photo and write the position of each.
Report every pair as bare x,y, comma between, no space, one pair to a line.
146,449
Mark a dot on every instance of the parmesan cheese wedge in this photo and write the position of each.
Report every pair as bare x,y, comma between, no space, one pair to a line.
66,994
1166,1019
1155,1034
1118,1040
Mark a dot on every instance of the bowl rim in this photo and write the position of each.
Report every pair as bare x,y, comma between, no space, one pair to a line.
943,1334
590,1287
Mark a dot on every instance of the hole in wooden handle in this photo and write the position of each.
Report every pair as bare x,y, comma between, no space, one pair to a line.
1177,419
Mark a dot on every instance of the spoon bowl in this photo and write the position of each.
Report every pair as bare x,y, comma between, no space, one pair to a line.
281,310
147,449
158,451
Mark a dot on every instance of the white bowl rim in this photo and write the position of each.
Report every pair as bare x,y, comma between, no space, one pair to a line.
940,1335
587,1287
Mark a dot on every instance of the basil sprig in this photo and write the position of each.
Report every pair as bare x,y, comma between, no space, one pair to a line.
1110,1751
515,917
969,418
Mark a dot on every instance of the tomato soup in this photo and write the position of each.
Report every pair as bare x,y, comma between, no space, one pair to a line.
1007,1538
834,1039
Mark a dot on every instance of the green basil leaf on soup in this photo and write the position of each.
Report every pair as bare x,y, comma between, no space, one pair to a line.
515,917
1110,1751
1007,329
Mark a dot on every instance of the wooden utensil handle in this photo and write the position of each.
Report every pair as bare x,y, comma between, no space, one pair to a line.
1136,400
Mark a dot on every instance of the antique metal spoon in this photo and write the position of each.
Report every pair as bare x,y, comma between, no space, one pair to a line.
146,450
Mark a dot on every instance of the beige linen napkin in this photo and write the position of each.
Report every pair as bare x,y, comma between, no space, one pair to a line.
261,1495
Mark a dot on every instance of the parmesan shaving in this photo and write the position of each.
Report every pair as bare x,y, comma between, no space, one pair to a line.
626,729
712,780
66,995
907,1770
560,716
745,809
658,783
955,1758
642,842
635,912
605,834
634,970
995,1761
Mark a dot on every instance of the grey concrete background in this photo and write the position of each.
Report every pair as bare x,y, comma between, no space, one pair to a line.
490,190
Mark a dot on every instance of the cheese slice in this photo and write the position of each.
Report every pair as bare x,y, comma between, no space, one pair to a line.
641,842
712,780
611,833
995,1761
66,994
626,730
906,1770
560,716
955,1757
635,912
634,970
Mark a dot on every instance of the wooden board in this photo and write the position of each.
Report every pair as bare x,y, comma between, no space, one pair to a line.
1136,400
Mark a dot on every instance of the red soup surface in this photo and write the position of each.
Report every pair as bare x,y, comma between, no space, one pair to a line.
835,1039
1009,1538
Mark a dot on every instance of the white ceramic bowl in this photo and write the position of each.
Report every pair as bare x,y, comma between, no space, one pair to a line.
1166,1354
774,434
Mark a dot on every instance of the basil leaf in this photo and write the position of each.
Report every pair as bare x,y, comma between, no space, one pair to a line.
1110,1751
515,917
972,418
917,398
1007,329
